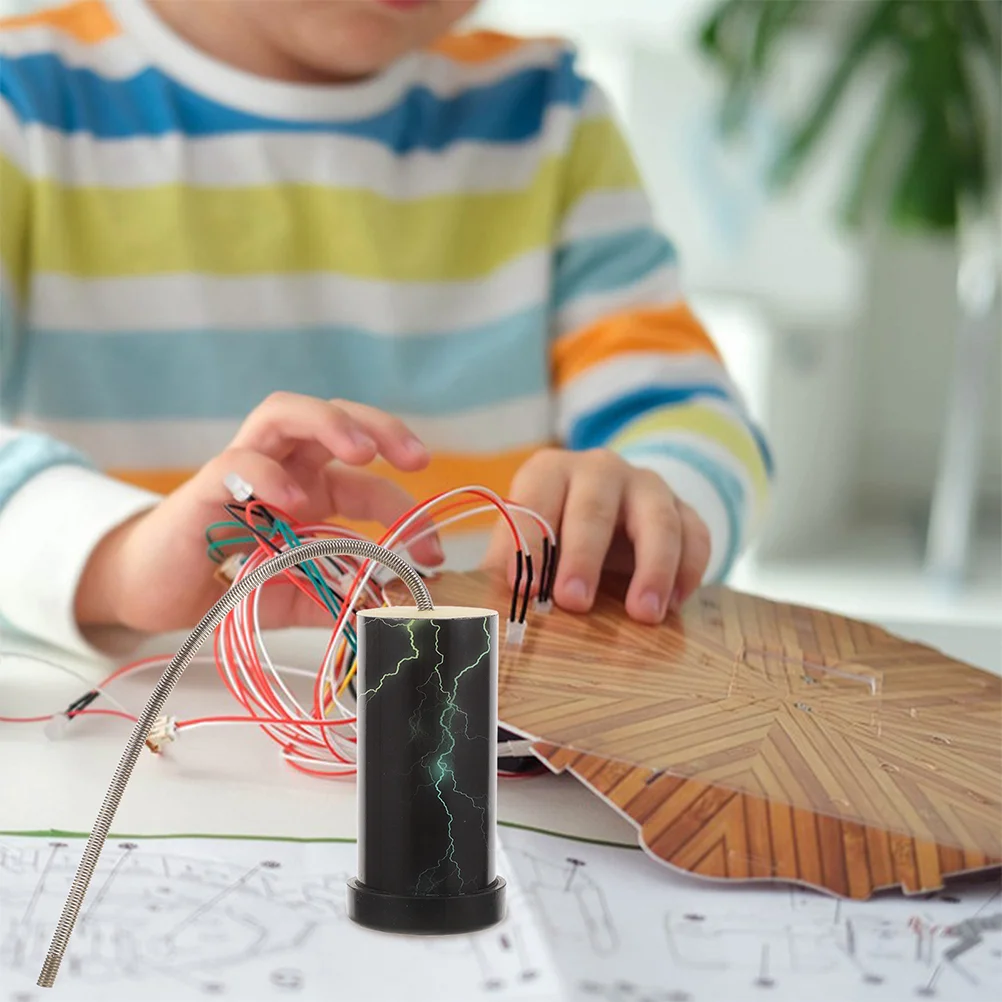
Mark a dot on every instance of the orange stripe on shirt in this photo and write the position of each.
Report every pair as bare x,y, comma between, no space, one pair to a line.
671,330
446,471
477,46
89,21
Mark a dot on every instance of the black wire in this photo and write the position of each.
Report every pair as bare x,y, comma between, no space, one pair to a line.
82,703
528,587
544,570
553,571
236,512
518,582
238,515
233,510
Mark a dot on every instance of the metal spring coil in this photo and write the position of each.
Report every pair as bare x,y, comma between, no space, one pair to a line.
334,547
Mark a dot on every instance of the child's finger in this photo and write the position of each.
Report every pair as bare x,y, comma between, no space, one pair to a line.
286,419
282,605
591,512
395,441
268,479
654,524
357,494
541,486
695,554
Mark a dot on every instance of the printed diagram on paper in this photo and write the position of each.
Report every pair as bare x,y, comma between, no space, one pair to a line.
624,929
172,919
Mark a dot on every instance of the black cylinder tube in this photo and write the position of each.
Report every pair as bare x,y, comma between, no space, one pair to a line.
427,771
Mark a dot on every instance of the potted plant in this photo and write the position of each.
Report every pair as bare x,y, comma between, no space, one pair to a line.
929,161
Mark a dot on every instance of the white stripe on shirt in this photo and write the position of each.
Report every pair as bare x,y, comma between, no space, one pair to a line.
193,300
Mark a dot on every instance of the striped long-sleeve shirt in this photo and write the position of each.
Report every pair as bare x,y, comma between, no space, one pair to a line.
462,240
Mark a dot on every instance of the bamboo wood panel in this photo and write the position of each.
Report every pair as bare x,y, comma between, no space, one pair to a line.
806,744
715,832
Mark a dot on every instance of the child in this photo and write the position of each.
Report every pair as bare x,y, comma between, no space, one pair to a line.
319,213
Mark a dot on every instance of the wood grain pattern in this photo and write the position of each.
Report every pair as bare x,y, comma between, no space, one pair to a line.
752,739
714,832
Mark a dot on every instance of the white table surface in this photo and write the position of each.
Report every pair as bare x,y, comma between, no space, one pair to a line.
232,781
213,781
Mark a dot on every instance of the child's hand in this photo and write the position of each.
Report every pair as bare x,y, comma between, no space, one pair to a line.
152,574
610,515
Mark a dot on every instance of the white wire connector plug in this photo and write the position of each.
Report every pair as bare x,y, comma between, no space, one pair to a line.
543,607
515,633
380,574
162,732
514,749
56,726
238,487
226,572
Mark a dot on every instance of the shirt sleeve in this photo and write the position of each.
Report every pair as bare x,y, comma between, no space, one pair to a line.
54,508
633,368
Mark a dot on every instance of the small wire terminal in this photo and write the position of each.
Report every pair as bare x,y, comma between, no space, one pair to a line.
515,633
56,726
226,572
381,575
162,732
544,606
238,487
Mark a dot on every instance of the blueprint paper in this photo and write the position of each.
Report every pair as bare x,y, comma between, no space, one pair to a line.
172,920
623,929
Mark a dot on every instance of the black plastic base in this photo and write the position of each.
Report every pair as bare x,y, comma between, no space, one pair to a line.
426,916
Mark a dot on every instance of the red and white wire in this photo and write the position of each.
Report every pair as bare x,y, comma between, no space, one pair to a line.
317,739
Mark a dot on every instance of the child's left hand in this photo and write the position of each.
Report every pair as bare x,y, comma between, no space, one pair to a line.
610,515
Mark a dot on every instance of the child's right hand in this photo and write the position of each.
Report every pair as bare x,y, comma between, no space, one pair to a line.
152,574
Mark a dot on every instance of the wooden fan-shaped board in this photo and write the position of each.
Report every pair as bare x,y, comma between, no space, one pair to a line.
751,739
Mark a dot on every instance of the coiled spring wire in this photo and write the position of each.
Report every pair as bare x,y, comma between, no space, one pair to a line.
332,547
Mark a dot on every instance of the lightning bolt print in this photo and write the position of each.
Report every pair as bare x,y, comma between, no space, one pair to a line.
439,728
409,627
443,778
436,676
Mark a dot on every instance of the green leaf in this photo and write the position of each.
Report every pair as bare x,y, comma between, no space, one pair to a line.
877,27
981,22
716,29
740,36
941,107
971,145
871,184
777,17
926,193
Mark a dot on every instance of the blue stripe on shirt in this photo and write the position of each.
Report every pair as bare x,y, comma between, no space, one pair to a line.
595,429
763,447
42,89
226,373
613,261
10,343
26,456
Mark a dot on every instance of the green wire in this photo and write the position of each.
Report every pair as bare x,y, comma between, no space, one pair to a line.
216,547
316,579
